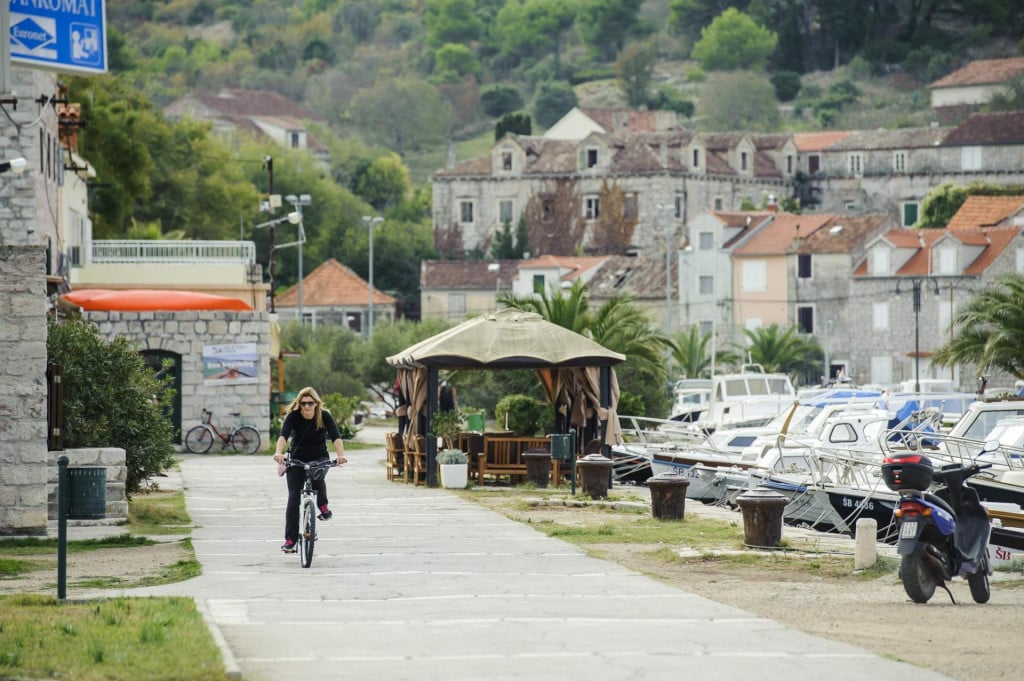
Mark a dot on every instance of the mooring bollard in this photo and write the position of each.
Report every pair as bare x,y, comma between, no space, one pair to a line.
865,545
762,517
595,469
668,495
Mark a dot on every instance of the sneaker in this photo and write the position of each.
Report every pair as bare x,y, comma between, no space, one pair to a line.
325,513
288,546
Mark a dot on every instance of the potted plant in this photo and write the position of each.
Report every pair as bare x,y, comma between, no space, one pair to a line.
453,462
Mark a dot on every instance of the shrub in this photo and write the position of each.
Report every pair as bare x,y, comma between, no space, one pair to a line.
526,416
450,456
498,100
111,399
447,424
554,100
342,408
787,85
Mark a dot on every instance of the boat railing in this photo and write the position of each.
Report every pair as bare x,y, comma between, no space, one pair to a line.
645,431
827,466
950,449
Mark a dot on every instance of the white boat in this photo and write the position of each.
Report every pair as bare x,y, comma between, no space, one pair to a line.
747,398
690,397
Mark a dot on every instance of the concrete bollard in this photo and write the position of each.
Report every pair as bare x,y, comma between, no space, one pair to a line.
865,545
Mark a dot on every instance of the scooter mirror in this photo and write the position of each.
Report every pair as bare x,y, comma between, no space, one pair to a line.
990,446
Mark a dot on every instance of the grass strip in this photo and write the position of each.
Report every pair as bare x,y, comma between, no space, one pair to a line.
127,639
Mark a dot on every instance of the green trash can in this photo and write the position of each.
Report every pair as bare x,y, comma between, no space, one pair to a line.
87,493
475,423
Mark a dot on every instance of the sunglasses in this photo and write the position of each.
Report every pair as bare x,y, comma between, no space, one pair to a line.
307,403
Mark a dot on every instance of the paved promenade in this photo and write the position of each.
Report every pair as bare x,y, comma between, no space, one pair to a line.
413,583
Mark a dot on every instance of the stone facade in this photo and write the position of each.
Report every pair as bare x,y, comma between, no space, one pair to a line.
183,335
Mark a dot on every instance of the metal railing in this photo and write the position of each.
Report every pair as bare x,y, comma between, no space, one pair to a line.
134,251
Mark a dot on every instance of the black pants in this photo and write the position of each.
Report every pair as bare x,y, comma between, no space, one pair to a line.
296,478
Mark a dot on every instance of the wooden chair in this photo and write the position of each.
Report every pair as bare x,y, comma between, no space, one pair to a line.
395,465
416,461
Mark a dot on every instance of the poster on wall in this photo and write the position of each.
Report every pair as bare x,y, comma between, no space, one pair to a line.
231,364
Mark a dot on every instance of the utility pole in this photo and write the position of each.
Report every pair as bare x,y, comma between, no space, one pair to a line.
268,165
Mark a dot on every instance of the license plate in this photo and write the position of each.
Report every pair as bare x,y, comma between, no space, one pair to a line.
908,530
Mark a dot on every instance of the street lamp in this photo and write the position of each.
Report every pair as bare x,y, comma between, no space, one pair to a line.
916,283
297,203
293,218
370,223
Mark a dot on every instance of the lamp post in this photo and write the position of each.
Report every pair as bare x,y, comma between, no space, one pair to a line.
915,283
297,203
669,233
370,223
293,218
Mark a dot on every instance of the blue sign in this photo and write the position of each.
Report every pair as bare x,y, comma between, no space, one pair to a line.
60,35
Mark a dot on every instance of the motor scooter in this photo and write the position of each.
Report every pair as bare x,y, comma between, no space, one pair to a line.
942,533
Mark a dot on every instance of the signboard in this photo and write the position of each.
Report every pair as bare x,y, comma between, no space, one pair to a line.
59,35
231,364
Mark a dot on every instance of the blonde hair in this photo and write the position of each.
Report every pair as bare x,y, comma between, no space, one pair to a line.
318,408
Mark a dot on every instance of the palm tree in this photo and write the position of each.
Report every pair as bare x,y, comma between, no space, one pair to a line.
786,352
991,329
691,356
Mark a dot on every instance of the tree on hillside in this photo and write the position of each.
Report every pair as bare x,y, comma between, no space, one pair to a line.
740,100
518,123
633,70
734,41
554,99
451,21
530,30
1009,99
604,25
382,182
990,330
405,114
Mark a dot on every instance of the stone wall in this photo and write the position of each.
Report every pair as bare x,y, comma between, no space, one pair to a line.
23,455
110,458
185,333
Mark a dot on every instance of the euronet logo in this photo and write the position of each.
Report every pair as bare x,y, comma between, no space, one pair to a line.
31,35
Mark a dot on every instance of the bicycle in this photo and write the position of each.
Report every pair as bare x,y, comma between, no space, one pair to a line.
315,470
199,439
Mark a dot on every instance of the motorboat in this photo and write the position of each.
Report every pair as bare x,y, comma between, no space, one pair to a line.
690,398
749,397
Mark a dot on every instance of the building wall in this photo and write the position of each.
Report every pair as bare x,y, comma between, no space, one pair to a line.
185,333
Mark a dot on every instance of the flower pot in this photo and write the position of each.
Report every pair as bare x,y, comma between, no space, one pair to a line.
454,475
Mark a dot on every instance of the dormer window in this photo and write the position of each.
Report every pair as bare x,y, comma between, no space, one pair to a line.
506,160
696,159
744,162
880,266
945,261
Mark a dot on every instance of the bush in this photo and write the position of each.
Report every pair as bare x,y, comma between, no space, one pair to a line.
342,408
526,416
498,100
111,399
787,85
668,98
450,456
554,100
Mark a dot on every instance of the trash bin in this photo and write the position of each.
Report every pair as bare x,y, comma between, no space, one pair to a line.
595,470
538,466
762,517
87,493
475,423
668,495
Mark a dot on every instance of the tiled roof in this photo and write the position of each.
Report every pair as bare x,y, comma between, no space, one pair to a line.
998,239
993,240
457,274
900,138
639,278
908,238
571,266
983,72
255,103
843,234
332,285
776,238
764,166
818,141
985,211
613,120
1003,127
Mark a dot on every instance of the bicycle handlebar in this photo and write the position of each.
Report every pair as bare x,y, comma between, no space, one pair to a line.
322,463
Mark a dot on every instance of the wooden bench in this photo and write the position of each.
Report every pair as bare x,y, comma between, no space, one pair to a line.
503,455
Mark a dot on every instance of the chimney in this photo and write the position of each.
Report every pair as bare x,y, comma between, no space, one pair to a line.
797,241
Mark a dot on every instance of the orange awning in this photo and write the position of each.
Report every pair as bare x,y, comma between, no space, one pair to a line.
148,300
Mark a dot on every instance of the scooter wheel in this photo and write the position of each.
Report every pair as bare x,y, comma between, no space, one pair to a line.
980,590
918,579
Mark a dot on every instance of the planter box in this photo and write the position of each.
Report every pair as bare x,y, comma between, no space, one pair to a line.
454,475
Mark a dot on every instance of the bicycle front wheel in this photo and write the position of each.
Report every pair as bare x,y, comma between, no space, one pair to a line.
198,440
307,533
246,440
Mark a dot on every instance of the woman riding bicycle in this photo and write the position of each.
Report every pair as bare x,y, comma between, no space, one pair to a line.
309,427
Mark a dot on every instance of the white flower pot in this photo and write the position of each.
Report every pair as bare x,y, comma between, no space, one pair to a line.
454,475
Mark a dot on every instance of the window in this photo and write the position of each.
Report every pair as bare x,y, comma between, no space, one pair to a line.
881,370
706,285
547,207
680,206
294,140
505,213
591,207
805,318
456,305
970,158
849,205
803,266
696,158
706,327
842,432
910,212
538,283
718,203
706,241
880,316
946,258
506,160
856,164
813,163
899,161
587,158
945,316
629,207
755,275
743,161
465,211
789,164
880,262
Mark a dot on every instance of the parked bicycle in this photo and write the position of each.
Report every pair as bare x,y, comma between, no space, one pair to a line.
315,470
200,439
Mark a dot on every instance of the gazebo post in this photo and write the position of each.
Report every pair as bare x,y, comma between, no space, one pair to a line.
431,441
606,403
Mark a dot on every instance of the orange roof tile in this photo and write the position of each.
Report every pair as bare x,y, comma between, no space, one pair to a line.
985,211
998,239
818,141
983,72
776,238
332,284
